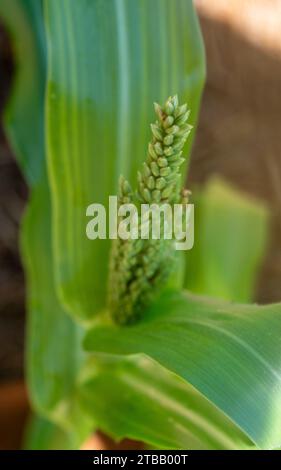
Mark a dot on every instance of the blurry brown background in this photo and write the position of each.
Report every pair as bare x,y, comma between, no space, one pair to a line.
238,138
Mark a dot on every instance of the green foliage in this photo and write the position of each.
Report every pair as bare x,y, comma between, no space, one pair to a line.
135,397
194,373
108,62
229,353
53,350
24,119
42,434
230,241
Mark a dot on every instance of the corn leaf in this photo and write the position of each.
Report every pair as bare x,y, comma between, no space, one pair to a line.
229,353
135,397
42,434
24,121
53,349
108,62
229,243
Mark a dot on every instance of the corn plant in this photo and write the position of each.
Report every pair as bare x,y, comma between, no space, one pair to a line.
157,363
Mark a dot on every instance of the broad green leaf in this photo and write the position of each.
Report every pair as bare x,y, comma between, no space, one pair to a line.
108,62
53,350
23,119
41,434
53,346
230,241
135,397
230,353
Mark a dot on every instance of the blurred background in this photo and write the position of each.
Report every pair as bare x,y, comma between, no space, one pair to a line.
238,138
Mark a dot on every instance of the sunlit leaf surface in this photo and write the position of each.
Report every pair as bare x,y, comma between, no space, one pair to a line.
108,62
229,353
135,397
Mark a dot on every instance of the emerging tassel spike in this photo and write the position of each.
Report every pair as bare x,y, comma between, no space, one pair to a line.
140,267
170,132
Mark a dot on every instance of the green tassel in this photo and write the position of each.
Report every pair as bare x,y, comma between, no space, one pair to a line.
139,268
